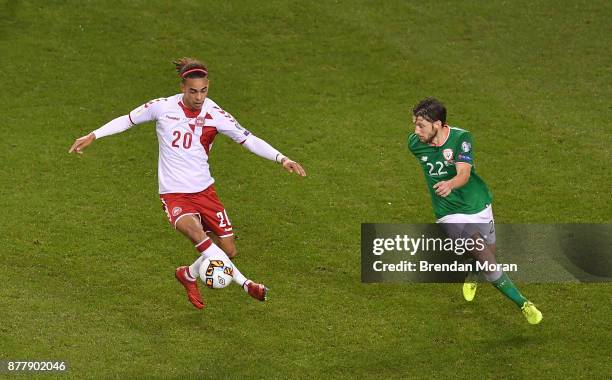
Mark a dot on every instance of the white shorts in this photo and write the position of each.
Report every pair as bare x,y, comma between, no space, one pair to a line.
469,225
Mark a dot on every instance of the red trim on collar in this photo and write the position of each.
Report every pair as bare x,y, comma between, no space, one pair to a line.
189,112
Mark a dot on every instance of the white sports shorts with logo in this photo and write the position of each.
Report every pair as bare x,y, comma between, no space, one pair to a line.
469,225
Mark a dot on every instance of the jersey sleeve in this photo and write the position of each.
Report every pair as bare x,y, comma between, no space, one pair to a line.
118,125
147,112
226,124
262,148
465,152
412,141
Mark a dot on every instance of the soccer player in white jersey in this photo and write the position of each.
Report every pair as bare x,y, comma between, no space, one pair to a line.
186,125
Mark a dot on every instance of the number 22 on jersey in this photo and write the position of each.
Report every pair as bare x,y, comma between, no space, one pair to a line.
440,167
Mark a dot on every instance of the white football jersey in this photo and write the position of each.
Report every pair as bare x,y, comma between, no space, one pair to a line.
185,138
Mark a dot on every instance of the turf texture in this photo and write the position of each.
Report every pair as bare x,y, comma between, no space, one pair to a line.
87,257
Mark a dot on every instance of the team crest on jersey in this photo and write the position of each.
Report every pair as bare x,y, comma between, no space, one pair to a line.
176,211
200,120
466,146
424,158
448,154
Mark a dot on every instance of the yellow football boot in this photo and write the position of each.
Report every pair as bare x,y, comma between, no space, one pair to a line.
533,315
469,289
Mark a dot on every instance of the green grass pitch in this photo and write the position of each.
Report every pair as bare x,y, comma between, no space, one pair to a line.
87,257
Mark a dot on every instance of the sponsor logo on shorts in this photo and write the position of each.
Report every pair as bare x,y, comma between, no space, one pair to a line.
176,211
424,158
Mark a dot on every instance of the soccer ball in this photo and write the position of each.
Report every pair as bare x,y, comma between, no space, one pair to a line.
216,273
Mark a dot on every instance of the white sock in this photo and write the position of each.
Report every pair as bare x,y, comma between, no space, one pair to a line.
215,251
240,279
194,269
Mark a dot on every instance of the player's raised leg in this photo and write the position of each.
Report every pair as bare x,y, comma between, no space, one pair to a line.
208,249
502,282
191,227
228,245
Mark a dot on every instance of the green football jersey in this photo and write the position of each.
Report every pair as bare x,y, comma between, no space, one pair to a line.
438,164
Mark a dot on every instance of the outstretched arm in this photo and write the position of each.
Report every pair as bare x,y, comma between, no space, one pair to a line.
265,150
117,125
81,143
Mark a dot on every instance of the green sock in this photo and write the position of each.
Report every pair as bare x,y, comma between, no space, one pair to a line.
505,285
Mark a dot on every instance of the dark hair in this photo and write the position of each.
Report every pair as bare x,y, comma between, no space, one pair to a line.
190,68
430,109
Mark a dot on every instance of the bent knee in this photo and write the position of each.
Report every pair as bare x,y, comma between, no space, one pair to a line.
231,252
229,248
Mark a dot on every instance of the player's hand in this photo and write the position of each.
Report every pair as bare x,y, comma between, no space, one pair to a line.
293,167
81,143
443,188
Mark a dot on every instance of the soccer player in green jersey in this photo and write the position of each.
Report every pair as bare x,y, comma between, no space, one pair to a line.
461,199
